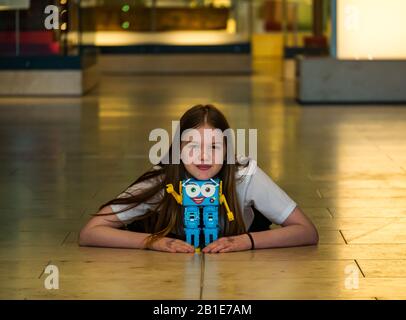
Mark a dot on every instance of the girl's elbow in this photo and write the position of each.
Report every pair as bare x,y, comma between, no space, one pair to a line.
314,240
310,235
83,239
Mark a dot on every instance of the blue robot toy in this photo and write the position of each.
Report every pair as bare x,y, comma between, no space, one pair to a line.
205,195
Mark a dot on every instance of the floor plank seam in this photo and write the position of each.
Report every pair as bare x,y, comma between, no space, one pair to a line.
373,230
397,164
83,214
331,214
342,235
356,262
202,265
43,269
64,239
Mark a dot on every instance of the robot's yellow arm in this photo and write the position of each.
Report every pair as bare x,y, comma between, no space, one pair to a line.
230,215
171,190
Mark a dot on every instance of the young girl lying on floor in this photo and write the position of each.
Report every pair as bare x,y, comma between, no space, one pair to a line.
146,216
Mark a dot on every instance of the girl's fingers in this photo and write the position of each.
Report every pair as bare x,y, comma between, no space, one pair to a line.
220,245
184,250
213,245
173,250
218,248
209,248
185,244
186,247
190,248
176,245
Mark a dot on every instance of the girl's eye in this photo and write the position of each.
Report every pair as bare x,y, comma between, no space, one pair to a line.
208,190
192,190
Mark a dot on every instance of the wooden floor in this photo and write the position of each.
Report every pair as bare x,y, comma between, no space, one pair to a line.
62,157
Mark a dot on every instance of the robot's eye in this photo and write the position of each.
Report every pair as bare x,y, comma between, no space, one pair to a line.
208,190
192,190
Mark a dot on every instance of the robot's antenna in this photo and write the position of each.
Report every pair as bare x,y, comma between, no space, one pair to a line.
214,181
186,182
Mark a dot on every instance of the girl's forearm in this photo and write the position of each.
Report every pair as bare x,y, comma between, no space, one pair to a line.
289,236
101,236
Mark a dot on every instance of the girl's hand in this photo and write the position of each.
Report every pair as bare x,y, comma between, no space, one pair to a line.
171,245
228,244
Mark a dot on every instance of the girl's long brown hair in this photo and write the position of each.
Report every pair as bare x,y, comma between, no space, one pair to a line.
166,215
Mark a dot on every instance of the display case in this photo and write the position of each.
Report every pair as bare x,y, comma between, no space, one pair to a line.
144,16
136,36
38,28
368,56
369,30
145,36
177,22
38,38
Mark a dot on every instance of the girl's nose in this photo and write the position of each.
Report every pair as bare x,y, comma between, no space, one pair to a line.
205,155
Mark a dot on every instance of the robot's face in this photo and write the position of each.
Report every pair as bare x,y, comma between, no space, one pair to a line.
199,192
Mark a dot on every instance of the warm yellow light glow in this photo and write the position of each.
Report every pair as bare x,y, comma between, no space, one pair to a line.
221,3
114,38
231,26
371,29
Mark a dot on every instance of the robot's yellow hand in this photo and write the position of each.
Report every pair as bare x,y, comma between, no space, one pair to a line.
169,188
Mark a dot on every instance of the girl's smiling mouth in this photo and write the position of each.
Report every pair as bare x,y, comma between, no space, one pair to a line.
198,200
203,167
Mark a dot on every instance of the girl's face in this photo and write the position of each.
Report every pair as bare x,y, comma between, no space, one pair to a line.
203,151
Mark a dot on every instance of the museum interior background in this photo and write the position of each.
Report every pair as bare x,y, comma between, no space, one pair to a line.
83,83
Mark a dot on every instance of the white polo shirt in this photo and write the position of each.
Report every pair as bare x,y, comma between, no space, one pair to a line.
254,188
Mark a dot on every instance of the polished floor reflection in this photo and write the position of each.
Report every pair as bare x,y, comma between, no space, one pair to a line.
62,157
